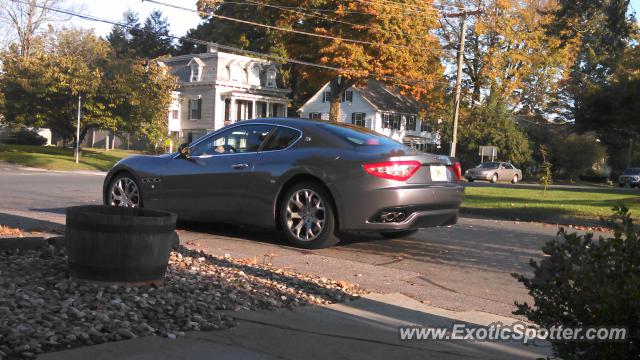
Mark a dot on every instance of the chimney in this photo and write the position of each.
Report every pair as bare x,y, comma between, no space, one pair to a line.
211,48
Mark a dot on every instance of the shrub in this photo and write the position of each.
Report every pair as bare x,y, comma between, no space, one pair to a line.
545,175
28,137
585,282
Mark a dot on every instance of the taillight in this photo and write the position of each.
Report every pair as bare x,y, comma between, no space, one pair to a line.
457,171
393,170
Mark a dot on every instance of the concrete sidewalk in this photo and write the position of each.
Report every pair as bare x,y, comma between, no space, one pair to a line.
363,329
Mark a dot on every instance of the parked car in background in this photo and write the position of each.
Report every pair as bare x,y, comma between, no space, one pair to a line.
494,171
630,176
311,179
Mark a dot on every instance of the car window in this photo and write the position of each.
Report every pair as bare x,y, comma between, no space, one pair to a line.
358,135
240,139
281,139
631,172
489,165
508,166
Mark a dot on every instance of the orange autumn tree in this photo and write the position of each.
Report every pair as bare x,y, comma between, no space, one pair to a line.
393,41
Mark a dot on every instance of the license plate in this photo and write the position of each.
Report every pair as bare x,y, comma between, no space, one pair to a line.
438,173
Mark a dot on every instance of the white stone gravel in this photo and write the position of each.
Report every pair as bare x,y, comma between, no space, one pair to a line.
42,310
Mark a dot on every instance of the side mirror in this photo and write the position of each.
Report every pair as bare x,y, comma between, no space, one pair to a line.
183,149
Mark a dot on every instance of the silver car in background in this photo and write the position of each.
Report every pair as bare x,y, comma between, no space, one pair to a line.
494,172
630,176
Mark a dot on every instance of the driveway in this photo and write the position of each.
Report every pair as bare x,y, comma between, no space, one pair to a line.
465,267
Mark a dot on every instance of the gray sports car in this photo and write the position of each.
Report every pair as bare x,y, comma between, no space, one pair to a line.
311,179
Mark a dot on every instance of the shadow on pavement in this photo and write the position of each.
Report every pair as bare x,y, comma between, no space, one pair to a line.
30,223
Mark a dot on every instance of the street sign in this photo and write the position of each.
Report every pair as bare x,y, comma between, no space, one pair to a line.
489,151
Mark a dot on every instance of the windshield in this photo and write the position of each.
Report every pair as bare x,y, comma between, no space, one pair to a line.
358,136
489,165
631,172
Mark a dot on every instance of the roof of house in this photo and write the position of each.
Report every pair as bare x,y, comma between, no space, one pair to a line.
388,98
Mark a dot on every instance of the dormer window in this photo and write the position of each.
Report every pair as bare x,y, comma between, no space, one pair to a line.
235,72
197,67
253,73
271,78
195,73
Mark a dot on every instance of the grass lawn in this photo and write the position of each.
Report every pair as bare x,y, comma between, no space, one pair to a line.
591,203
53,158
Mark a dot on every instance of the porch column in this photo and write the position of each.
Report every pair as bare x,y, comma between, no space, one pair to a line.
232,110
269,114
254,114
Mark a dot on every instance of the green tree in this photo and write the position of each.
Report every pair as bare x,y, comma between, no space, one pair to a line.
491,124
576,153
153,39
150,40
122,95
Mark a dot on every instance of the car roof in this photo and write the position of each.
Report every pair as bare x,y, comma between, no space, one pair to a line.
283,121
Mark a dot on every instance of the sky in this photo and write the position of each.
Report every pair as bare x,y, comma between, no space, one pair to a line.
180,20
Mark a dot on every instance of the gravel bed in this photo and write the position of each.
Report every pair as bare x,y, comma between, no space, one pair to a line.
42,310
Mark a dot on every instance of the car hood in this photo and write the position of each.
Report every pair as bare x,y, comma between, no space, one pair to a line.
141,162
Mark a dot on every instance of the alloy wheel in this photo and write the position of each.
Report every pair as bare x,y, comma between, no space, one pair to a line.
305,215
124,192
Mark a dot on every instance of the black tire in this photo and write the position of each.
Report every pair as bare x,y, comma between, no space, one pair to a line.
123,175
494,178
470,180
515,179
327,235
621,184
398,234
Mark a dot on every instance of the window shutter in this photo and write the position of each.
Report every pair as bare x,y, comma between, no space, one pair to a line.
199,109
353,118
349,96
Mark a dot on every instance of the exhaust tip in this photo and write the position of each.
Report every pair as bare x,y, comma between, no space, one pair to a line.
392,216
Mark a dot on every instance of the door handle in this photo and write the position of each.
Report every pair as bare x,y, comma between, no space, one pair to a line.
240,166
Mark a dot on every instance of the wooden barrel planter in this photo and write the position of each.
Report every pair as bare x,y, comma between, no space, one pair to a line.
119,245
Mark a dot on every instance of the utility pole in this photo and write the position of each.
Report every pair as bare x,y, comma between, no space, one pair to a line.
78,132
456,105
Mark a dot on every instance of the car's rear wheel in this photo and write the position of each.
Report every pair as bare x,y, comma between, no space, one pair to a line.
621,184
470,180
398,234
307,216
515,179
124,191
494,178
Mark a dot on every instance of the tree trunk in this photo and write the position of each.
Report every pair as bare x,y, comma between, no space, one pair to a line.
338,86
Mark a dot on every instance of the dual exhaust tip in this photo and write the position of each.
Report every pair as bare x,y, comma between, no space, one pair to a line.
392,216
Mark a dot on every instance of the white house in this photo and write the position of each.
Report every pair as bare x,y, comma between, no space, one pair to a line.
378,107
217,88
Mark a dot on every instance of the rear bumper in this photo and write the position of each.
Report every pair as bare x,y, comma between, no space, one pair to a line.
423,206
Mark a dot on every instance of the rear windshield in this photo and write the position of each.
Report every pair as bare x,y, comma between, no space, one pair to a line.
631,172
489,165
358,136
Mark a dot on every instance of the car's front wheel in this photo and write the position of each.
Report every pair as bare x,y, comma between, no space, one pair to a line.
307,216
124,191
398,234
515,179
494,178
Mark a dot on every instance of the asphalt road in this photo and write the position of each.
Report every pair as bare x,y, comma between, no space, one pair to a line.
466,267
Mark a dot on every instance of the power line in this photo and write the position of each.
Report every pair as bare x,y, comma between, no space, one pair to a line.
235,49
247,22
